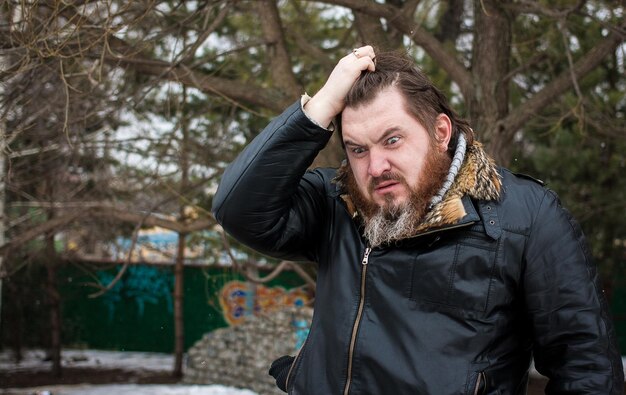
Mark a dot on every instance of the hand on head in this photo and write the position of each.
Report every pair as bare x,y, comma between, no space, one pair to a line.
329,101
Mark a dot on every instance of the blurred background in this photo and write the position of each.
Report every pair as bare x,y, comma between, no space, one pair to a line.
117,119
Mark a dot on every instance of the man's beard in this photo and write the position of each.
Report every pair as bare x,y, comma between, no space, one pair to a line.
391,221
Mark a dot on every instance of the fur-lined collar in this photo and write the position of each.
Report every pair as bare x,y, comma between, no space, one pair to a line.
478,178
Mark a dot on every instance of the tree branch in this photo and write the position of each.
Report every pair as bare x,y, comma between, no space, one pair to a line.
109,212
419,36
283,265
118,52
280,66
234,91
38,230
535,7
314,51
104,289
523,113
371,31
190,52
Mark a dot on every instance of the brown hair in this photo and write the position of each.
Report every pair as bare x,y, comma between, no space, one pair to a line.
423,99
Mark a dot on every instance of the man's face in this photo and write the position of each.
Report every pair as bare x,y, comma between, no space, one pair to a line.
387,148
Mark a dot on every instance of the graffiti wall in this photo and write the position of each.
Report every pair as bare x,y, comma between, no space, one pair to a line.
238,299
137,313
140,285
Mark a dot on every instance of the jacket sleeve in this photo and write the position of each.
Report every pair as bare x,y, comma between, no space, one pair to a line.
575,345
267,199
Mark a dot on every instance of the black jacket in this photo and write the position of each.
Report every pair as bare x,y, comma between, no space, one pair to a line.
458,309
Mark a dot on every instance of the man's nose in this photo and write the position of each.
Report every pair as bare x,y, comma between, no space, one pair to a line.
379,164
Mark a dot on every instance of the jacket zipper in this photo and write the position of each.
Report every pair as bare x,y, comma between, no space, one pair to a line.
479,380
357,320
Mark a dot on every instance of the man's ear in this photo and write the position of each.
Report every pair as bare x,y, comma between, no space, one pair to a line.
443,131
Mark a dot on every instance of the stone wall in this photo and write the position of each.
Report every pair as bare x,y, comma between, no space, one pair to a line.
240,356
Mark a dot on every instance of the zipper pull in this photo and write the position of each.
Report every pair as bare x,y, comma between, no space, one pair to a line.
366,255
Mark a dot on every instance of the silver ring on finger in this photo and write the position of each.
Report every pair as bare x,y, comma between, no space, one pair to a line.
355,52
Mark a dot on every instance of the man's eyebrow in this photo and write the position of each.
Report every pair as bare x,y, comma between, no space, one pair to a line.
387,133
383,137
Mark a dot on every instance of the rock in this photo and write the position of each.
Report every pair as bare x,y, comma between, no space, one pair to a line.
240,356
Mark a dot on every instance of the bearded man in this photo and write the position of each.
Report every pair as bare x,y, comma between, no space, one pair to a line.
438,272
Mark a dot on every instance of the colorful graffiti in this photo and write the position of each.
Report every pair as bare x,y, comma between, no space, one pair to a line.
141,285
239,299
302,332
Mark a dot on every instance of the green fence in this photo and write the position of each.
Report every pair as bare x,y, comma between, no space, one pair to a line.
136,314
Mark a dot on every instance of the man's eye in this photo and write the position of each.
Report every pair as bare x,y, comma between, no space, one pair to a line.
392,140
358,150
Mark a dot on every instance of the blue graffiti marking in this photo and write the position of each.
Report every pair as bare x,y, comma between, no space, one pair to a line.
140,284
302,331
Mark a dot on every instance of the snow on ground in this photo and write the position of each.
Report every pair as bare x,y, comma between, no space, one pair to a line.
127,389
35,360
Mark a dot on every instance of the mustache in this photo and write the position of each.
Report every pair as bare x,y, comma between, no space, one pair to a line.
388,176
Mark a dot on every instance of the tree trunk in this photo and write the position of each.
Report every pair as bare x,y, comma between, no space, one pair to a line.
51,262
15,319
371,32
54,306
179,268
179,325
490,64
280,65
252,301
3,151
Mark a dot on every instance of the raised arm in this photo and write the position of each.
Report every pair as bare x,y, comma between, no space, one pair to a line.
267,199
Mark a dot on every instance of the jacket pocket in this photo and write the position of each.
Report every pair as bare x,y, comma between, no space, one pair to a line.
456,274
280,370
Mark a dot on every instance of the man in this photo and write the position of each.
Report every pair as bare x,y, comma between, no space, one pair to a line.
438,272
